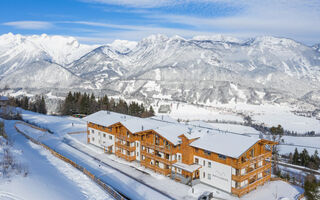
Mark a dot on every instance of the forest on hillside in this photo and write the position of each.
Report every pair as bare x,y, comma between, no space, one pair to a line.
83,103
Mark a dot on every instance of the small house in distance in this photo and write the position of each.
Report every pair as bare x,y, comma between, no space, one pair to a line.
187,153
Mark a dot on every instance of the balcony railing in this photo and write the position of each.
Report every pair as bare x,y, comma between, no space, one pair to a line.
157,147
126,147
248,188
125,156
125,138
153,156
155,168
253,160
240,178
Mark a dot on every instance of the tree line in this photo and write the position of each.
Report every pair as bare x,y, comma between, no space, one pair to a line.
37,105
304,159
83,103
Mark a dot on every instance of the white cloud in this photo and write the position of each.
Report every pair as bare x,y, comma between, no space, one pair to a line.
34,25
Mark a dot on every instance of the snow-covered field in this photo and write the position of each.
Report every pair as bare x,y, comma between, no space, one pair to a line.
48,177
192,112
270,115
309,143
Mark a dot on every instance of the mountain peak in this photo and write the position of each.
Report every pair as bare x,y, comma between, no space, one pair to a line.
217,38
123,45
271,40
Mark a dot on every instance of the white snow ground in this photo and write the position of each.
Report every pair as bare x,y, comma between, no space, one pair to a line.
49,177
270,115
180,191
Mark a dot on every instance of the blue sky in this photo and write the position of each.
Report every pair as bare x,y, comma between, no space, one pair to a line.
102,21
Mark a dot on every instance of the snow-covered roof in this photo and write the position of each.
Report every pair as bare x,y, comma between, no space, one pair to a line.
172,132
228,144
231,145
185,167
136,124
165,118
107,118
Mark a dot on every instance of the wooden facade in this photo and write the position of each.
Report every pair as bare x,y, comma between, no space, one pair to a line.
153,151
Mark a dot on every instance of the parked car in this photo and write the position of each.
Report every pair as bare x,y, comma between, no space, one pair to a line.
206,196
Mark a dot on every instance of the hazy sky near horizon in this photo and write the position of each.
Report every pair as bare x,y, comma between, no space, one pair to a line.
102,21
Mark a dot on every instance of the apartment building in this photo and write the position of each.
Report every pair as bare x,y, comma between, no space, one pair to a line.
188,153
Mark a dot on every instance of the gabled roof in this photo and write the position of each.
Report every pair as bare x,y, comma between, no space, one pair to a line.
141,124
231,145
171,132
207,138
106,118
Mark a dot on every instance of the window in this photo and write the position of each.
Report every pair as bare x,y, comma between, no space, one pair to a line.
137,153
110,137
104,135
157,140
204,175
223,157
93,139
110,129
196,160
209,164
204,163
209,176
208,153
92,131
267,147
179,157
196,149
137,144
252,152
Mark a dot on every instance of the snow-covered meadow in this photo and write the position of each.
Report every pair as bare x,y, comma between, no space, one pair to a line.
267,114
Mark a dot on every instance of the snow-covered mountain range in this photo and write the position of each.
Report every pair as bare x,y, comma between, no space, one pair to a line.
204,69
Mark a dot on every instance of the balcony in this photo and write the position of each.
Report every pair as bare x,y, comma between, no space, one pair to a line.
153,156
98,127
124,146
253,160
125,138
126,157
155,168
241,191
240,178
157,147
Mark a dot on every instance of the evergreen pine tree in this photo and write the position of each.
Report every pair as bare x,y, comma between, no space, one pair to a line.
296,157
42,106
305,158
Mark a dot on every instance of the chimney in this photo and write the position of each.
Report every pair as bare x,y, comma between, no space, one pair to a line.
142,127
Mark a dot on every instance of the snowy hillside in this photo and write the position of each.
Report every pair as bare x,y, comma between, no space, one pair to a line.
204,69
